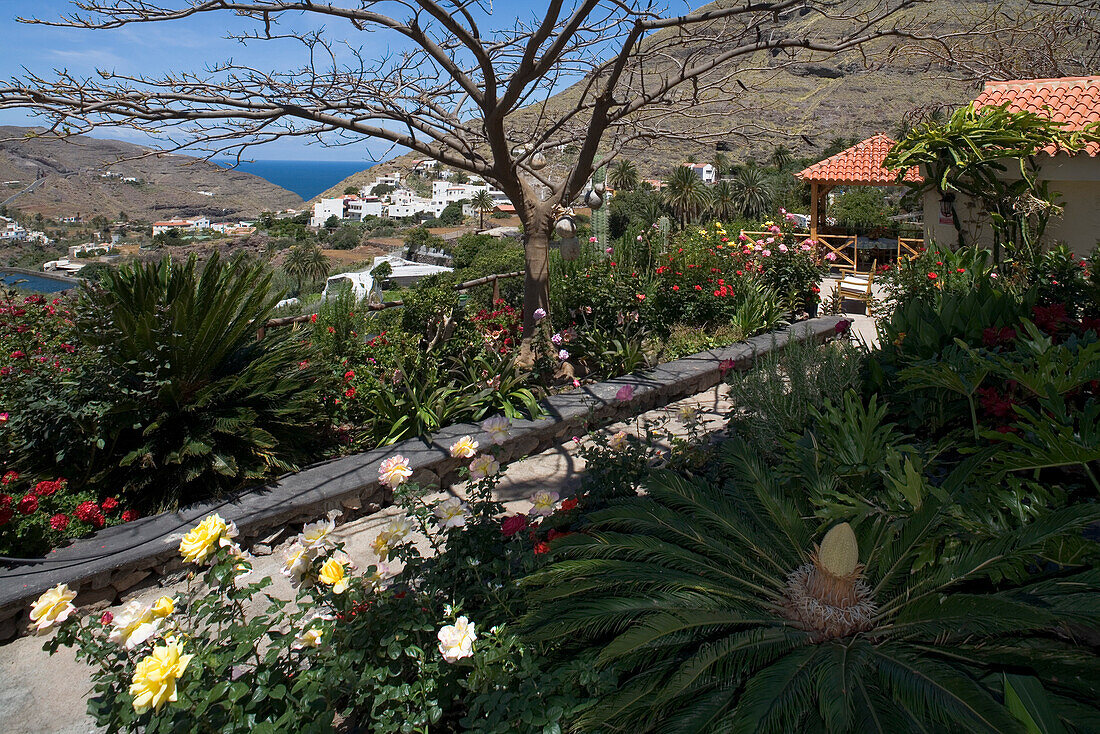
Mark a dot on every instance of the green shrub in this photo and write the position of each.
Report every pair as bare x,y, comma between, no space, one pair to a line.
783,389
202,406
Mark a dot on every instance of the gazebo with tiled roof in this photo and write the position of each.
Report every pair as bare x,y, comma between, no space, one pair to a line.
860,165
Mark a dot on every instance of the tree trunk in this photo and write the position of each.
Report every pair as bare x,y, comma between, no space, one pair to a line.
536,279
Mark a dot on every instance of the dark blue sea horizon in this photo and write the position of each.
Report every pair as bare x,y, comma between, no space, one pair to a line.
305,178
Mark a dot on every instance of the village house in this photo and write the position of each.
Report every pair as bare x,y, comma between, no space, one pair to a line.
183,225
705,171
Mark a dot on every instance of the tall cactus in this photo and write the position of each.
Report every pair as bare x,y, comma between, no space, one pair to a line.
664,226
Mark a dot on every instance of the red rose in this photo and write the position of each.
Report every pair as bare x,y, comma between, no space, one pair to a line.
541,547
5,515
59,522
513,525
110,505
130,515
569,504
28,504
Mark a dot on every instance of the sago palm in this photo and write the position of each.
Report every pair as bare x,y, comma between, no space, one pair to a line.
204,406
686,193
720,614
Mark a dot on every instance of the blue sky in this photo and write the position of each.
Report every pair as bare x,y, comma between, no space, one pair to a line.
152,49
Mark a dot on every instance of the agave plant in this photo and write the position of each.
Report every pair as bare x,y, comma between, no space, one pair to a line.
204,406
722,615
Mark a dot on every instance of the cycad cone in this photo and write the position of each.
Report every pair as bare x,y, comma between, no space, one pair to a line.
836,568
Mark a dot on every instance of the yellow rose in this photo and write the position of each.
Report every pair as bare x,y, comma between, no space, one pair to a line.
335,575
164,606
204,539
134,624
52,608
155,676
464,448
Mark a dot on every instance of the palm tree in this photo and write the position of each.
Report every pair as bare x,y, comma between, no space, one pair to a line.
723,202
623,176
752,194
782,157
306,261
686,193
719,615
483,202
721,164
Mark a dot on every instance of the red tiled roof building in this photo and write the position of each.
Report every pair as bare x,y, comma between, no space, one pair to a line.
1073,101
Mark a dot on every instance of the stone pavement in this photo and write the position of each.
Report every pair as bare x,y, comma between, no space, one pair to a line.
43,694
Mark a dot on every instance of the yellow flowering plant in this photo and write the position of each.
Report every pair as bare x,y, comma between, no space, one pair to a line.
356,647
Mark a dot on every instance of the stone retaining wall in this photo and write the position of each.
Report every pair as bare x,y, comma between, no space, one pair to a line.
120,558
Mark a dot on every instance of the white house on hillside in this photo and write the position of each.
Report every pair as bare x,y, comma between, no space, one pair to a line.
705,171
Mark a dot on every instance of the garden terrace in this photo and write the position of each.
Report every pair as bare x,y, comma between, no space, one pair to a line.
118,558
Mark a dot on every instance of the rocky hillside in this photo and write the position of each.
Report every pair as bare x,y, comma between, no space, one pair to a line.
805,106
65,177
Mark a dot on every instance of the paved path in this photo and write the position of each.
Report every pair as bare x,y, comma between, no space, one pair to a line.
42,694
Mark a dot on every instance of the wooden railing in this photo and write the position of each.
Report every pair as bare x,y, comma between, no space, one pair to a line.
834,243
494,279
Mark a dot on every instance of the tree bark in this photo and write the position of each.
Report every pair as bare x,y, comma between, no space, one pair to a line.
536,279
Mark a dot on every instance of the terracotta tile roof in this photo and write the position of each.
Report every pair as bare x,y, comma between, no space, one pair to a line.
860,164
1074,101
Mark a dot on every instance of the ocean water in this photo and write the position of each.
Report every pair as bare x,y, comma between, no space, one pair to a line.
36,283
305,178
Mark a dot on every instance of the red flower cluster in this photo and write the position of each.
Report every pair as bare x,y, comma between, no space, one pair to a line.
90,513
995,404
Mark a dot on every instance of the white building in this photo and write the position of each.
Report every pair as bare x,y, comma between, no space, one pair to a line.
89,249
705,171
183,225
366,206
403,273
325,208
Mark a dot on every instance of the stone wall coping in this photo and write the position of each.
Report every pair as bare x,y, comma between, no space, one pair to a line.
134,550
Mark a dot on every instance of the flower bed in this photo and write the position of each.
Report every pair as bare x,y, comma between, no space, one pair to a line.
114,560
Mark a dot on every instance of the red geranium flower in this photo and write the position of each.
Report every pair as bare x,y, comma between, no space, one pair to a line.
130,515
349,393
9,477
86,511
28,504
5,515
541,547
59,522
110,504
932,276
46,488
569,504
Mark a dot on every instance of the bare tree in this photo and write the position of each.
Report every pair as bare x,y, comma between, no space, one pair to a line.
1033,39
473,99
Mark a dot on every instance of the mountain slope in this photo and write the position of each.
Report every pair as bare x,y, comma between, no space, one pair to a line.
70,181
